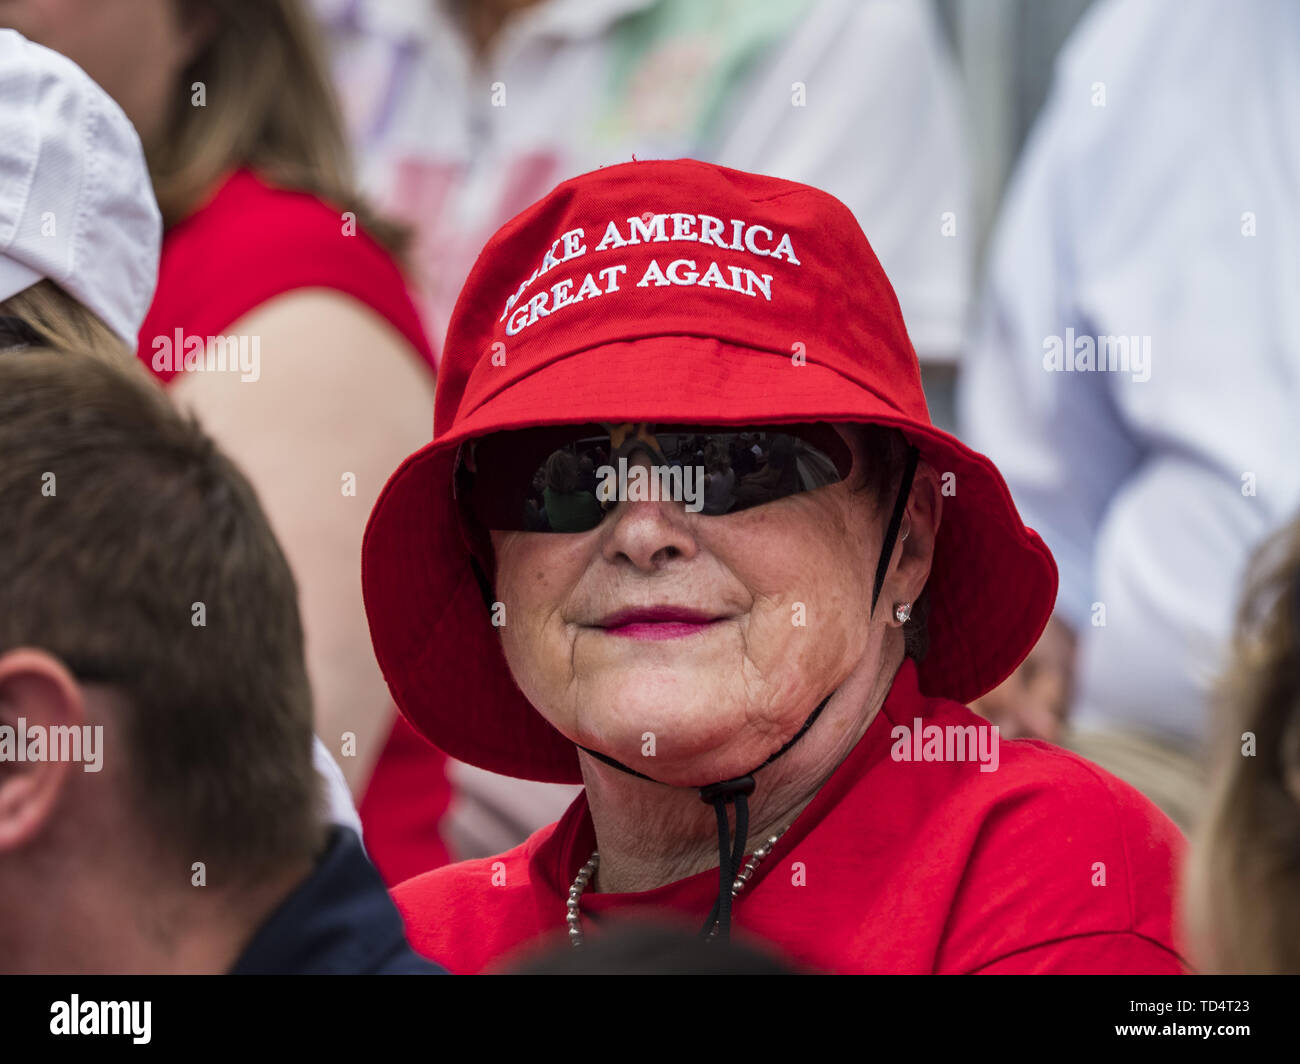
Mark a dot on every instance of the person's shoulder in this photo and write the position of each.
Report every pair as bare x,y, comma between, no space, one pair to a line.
252,240
1151,57
1093,802
465,915
256,217
1064,852
429,889
1049,776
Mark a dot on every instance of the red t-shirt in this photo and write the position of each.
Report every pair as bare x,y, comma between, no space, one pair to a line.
1047,864
249,243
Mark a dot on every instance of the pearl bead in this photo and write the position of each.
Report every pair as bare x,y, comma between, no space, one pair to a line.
573,905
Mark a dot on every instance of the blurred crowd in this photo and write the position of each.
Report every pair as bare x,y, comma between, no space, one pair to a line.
1124,346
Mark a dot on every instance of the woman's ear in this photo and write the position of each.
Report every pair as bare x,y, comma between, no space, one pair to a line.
914,552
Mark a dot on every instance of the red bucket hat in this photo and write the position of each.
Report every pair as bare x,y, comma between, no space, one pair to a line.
672,291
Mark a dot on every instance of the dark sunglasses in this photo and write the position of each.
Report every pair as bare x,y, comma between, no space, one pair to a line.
566,478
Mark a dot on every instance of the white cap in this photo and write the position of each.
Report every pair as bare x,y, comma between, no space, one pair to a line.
76,201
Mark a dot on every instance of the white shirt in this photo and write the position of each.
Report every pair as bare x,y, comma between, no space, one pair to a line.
856,97
339,807
1158,198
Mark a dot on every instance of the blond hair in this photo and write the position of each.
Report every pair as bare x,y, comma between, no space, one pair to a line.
64,324
1243,896
268,104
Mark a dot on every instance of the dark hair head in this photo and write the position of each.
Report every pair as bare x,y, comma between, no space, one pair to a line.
642,948
562,473
135,552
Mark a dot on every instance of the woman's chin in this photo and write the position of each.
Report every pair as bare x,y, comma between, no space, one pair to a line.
682,763
685,701
678,729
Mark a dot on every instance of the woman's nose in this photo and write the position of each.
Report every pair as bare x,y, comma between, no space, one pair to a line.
649,532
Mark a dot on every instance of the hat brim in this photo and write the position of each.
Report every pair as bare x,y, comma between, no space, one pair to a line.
15,277
992,584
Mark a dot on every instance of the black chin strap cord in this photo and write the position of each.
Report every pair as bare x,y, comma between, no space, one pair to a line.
739,789
719,794
895,521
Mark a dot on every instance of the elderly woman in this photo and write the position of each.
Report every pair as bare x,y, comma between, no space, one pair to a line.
789,674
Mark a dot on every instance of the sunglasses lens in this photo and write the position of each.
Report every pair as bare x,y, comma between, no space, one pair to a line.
566,480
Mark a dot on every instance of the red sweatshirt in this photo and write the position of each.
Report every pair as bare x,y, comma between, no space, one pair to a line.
1045,864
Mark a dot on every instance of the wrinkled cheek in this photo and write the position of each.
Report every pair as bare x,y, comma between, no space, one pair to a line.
535,578
525,594
784,646
515,648
809,639
534,668
839,641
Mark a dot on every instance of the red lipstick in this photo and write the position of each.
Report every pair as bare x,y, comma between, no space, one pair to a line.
657,622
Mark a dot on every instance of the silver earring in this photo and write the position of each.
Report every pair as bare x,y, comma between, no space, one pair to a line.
902,612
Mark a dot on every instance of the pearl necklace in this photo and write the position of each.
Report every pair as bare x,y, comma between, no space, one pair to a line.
573,905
